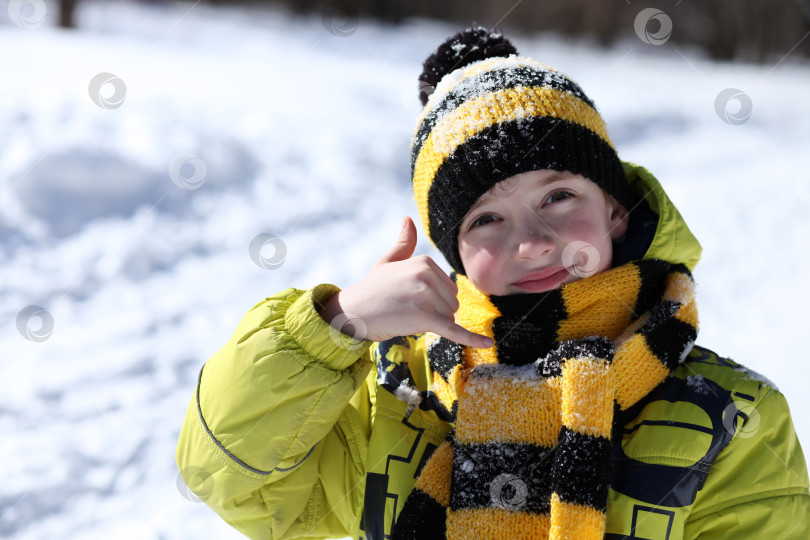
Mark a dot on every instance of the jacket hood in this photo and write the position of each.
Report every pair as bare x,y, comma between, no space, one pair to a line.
656,230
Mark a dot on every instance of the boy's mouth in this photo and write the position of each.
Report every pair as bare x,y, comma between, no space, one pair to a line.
543,280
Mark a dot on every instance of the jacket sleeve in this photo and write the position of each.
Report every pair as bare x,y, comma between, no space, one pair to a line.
758,486
276,434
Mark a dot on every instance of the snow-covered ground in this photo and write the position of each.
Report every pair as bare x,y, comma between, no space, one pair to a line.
299,128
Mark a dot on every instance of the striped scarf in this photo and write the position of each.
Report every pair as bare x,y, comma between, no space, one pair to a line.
530,453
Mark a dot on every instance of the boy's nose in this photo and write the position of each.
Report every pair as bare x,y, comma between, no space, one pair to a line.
533,240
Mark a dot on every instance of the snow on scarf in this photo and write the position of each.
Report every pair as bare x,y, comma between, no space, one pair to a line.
530,453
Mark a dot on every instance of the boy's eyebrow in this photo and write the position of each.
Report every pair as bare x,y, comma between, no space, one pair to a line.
550,179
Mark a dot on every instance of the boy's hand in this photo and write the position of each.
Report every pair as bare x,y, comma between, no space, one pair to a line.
402,296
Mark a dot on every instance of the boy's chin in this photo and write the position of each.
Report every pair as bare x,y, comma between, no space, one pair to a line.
517,290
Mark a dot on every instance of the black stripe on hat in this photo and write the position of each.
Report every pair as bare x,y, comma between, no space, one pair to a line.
501,475
503,150
581,467
492,81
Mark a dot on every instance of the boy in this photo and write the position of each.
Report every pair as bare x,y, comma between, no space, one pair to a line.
550,388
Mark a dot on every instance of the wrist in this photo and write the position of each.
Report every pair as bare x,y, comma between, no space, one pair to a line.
332,311
317,338
329,308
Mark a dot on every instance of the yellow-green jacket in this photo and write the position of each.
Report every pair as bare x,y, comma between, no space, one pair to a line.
295,431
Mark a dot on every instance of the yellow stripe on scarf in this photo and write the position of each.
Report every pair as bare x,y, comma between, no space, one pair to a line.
587,400
634,373
476,314
444,390
680,288
435,476
496,524
576,521
482,419
593,315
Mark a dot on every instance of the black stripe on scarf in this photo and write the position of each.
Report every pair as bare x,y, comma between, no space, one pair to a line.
422,517
444,355
522,340
581,468
668,338
489,475
582,348
653,283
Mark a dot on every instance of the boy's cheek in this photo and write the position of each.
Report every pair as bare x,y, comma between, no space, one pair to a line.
487,274
592,239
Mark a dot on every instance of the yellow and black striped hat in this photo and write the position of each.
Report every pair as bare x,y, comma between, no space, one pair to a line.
492,115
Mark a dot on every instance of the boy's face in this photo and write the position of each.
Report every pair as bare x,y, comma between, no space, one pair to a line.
537,230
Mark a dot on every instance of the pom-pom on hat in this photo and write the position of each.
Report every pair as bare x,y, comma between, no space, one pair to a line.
492,115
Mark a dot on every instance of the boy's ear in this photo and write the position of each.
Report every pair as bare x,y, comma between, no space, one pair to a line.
619,219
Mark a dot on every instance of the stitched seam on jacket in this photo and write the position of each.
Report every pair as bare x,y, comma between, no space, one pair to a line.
745,499
269,528
302,460
313,510
306,421
353,434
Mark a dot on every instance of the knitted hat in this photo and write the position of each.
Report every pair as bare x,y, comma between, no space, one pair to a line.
493,115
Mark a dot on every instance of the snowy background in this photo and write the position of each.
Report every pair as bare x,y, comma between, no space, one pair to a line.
127,210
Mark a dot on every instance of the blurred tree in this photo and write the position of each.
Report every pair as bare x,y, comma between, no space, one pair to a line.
750,30
67,10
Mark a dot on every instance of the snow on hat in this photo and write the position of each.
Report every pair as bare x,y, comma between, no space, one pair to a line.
492,115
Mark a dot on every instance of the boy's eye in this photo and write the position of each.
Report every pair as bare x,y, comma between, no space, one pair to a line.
558,196
482,220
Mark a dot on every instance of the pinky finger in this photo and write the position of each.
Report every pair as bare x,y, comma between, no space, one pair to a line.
461,335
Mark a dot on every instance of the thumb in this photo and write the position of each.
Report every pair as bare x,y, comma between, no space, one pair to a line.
405,244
